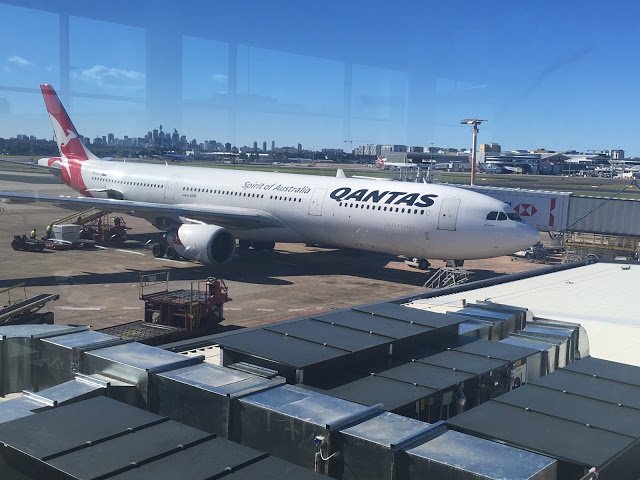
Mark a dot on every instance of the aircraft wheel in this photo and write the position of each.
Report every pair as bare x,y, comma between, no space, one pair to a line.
158,250
15,245
172,254
423,264
591,258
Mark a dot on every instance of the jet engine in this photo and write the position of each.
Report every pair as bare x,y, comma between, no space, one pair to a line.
207,244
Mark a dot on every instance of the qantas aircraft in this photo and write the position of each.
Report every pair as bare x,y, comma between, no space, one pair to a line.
204,210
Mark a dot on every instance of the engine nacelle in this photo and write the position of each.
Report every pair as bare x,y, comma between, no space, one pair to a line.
207,244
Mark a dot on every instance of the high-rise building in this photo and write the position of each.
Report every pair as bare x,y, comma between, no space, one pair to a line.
110,138
227,147
255,146
490,147
264,146
299,148
616,154
273,144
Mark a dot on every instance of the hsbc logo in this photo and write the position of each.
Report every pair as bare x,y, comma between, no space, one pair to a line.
526,209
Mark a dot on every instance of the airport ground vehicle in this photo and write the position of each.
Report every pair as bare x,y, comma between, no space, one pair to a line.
535,253
173,315
26,244
105,230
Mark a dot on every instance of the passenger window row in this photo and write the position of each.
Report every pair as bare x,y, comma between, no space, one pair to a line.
286,199
202,190
222,192
415,211
123,182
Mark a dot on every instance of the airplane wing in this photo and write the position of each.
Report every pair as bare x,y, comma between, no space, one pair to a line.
55,169
233,218
19,162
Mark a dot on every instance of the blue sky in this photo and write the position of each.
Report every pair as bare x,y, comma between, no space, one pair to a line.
560,75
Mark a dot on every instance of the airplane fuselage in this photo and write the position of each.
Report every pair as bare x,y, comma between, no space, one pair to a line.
420,220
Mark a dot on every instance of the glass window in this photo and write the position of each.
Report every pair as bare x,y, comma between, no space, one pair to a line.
29,56
492,215
210,59
113,68
502,216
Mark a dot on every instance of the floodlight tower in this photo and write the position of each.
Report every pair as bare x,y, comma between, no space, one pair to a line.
474,122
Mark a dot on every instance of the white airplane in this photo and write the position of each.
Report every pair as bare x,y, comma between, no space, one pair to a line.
384,165
204,210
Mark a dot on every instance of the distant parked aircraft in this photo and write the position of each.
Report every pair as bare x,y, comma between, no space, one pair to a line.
383,164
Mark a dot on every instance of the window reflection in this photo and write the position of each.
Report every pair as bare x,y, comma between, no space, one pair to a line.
114,66
210,59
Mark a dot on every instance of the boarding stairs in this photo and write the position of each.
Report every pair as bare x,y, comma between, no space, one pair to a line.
447,277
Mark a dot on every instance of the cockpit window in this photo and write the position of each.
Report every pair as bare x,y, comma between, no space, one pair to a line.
502,216
514,216
492,215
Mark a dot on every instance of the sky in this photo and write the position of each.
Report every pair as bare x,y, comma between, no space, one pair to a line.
544,74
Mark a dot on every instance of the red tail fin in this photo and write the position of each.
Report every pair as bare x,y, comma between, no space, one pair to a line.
66,134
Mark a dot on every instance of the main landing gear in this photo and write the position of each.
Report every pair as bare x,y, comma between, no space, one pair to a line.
161,249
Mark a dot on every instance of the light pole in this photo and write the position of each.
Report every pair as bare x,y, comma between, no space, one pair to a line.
474,122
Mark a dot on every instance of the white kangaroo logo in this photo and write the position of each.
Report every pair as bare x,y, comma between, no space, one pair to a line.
62,135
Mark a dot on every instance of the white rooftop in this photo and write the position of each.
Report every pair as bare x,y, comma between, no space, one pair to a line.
602,297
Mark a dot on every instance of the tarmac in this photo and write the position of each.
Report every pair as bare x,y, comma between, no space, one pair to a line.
100,286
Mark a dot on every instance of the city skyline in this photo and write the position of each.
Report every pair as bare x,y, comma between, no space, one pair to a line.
541,74
149,141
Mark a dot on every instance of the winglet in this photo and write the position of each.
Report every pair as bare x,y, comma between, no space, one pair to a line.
66,134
